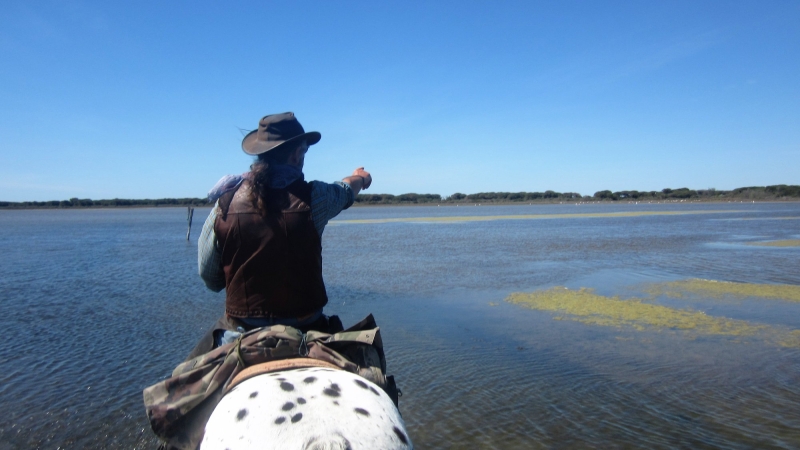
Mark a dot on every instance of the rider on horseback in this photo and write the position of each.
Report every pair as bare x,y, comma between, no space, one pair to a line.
262,240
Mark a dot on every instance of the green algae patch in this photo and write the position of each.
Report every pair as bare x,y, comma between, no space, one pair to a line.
791,339
451,219
586,306
721,289
784,243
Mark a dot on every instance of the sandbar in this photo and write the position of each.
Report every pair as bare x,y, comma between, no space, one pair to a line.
450,219
719,289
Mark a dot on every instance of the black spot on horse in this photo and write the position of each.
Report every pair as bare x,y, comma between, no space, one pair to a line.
374,391
361,384
301,400
331,393
335,402
400,435
254,394
296,418
241,414
287,406
310,380
287,386
336,387
280,420
362,411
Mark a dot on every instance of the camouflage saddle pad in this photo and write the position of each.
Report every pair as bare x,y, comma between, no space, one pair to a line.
179,406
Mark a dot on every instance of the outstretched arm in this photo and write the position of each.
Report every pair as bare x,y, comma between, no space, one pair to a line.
328,200
359,180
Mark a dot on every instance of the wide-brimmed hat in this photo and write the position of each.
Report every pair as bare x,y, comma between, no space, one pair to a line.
274,131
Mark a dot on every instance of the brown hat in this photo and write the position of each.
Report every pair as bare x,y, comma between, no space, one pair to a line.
274,131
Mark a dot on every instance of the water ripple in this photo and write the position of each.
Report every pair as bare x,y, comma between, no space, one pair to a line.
95,318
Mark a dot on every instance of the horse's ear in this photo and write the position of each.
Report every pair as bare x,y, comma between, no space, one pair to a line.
367,323
391,389
335,442
334,324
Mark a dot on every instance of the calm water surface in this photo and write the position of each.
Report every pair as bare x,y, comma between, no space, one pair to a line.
95,305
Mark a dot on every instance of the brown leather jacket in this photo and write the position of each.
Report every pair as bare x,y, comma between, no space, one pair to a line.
272,262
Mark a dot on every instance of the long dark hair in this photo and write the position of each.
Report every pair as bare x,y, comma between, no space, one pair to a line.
259,171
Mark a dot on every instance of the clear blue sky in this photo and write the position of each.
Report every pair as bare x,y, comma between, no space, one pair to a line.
104,99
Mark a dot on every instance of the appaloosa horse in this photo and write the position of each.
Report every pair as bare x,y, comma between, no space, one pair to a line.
313,408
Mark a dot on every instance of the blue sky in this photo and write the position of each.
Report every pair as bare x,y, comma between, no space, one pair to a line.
145,99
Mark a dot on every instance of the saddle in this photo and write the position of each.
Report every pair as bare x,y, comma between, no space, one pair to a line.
179,407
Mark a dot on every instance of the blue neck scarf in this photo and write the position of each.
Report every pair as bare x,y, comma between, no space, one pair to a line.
282,175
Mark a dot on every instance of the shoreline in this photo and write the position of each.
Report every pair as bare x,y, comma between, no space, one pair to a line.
599,202
428,204
752,194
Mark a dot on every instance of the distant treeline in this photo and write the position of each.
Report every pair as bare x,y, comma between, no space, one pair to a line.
115,202
777,192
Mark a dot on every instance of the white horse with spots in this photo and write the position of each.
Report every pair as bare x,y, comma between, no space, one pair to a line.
307,408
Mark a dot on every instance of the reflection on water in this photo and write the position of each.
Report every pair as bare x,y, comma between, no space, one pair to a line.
102,303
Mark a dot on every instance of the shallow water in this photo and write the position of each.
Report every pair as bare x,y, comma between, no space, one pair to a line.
99,304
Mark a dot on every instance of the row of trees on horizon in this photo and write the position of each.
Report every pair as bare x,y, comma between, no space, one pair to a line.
776,192
115,202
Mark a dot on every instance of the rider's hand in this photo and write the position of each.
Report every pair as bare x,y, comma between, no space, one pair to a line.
360,172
